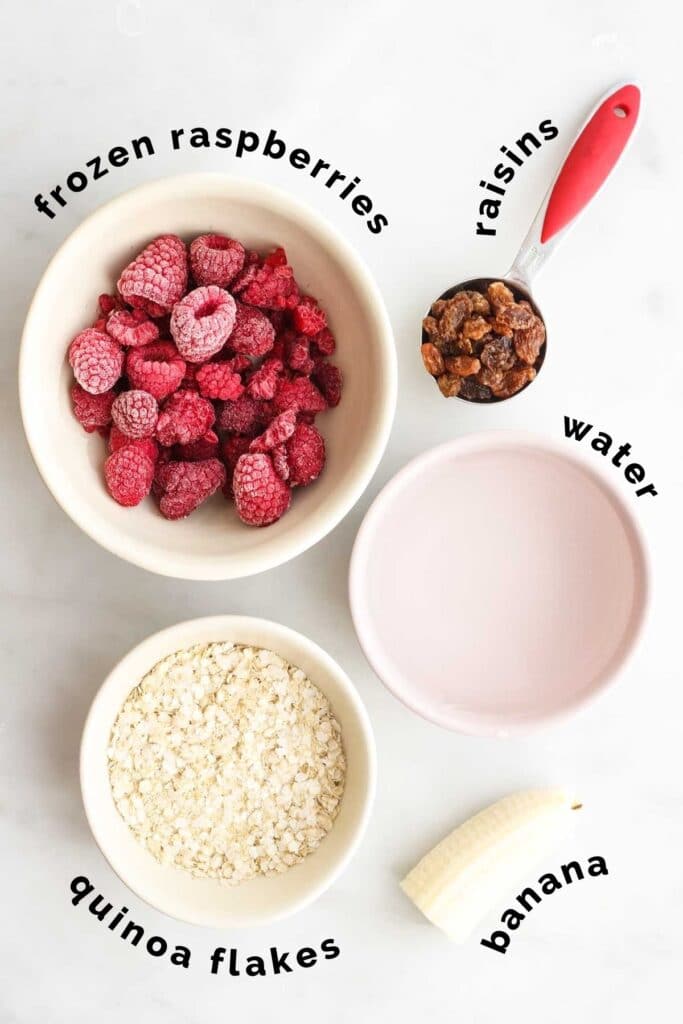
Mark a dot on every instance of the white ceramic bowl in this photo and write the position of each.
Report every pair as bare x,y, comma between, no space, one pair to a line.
212,543
498,582
208,901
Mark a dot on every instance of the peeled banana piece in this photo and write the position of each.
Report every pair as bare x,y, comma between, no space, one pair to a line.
480,862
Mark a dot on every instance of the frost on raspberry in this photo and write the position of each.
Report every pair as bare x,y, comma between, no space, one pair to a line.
128,474
280,461
244,416
305,455
329,380
308,318
135,413
252,334
298,353
183,486
299,394
216,259
270,286
131,327
156,368
263,382
157,278
276,433
92,411
219,381
202,322
261,496
185,417
97,361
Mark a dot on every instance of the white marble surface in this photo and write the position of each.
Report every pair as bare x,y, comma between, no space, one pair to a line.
416,99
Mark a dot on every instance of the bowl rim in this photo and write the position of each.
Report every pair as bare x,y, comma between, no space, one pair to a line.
233,624
181,565
476,725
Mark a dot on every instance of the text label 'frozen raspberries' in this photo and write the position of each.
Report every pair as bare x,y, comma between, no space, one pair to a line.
205,371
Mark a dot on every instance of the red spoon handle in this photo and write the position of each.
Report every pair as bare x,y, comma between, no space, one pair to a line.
591,159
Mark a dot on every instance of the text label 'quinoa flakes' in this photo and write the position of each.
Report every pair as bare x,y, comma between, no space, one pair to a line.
227,761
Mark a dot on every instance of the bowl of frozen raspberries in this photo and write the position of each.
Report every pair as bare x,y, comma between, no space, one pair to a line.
207,377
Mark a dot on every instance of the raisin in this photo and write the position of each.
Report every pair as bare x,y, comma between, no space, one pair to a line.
498,354
430,326
498,327
499,295
464,345
474,328
514,316
464,366
480,304
432,359
449,384
514,380
452,316
490,378
529,341
474,392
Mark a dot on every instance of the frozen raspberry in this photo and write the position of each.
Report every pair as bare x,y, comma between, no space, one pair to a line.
252,262
100,324
308,318
216,259
298,353
231,449
329,379
131,327
183,486
119,440
245,415
128,474
323,343
253,334
280,461
107,303
219,380
261,497
270,286
92,411
305,455
157,278
263,382
97,361
202,322
299,394
186,417
276,433
240,363
156,368
204,448
135,413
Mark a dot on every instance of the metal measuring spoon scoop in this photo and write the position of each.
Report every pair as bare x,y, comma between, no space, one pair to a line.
484,340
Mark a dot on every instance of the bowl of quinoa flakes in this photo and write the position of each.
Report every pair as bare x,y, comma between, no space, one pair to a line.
227,770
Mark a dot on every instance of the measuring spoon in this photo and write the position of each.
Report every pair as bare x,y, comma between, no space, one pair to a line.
594,154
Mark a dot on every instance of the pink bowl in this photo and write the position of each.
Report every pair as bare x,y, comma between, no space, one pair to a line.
497,582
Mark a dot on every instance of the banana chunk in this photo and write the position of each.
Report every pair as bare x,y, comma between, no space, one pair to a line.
476,866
